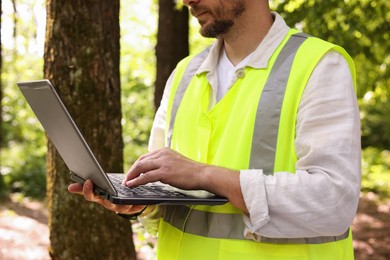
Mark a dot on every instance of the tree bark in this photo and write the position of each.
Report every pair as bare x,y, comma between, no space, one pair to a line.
172,43
82,60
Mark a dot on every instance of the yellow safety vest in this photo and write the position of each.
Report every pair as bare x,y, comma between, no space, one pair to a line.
252,127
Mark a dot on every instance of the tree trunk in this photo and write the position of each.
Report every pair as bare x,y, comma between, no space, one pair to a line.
82,60
172,43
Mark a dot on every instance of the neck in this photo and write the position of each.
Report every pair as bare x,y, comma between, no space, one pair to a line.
248,31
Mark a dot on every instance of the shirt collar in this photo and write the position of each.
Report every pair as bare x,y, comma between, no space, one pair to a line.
261,55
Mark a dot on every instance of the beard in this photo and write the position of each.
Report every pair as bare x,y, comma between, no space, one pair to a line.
216,29
224,18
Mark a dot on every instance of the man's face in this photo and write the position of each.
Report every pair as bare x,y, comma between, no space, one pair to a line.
216,17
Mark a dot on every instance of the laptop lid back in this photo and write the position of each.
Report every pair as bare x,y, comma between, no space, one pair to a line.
63,132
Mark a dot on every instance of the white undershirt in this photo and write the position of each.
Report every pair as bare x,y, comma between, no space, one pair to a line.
226,71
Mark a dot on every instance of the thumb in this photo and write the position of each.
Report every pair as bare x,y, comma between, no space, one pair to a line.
75,188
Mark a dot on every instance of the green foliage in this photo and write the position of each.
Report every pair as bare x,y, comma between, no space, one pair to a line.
137,118
23,151
376,171
26,165
23,157
375,111
138,62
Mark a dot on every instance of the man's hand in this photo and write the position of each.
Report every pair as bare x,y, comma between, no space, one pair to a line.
169,167
87,191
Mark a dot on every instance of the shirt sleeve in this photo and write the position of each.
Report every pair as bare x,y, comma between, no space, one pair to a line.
157,134
321,198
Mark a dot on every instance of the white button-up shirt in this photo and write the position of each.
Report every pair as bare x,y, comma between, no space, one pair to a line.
321,198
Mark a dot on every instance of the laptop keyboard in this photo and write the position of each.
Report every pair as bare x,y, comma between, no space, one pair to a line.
150,190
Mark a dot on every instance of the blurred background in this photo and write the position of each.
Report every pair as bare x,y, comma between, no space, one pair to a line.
361,27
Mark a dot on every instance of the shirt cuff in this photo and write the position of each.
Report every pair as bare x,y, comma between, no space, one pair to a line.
255,197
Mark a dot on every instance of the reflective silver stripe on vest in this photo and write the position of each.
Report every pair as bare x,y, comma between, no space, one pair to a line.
189,73
270,105
227,226
231,226
203,223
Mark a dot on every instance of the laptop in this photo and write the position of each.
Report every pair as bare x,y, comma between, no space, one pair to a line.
74,150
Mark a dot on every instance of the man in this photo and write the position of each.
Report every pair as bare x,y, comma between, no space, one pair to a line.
268,118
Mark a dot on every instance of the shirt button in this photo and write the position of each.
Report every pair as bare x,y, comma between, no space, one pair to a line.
240,73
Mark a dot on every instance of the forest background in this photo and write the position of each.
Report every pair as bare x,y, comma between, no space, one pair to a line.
362,27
